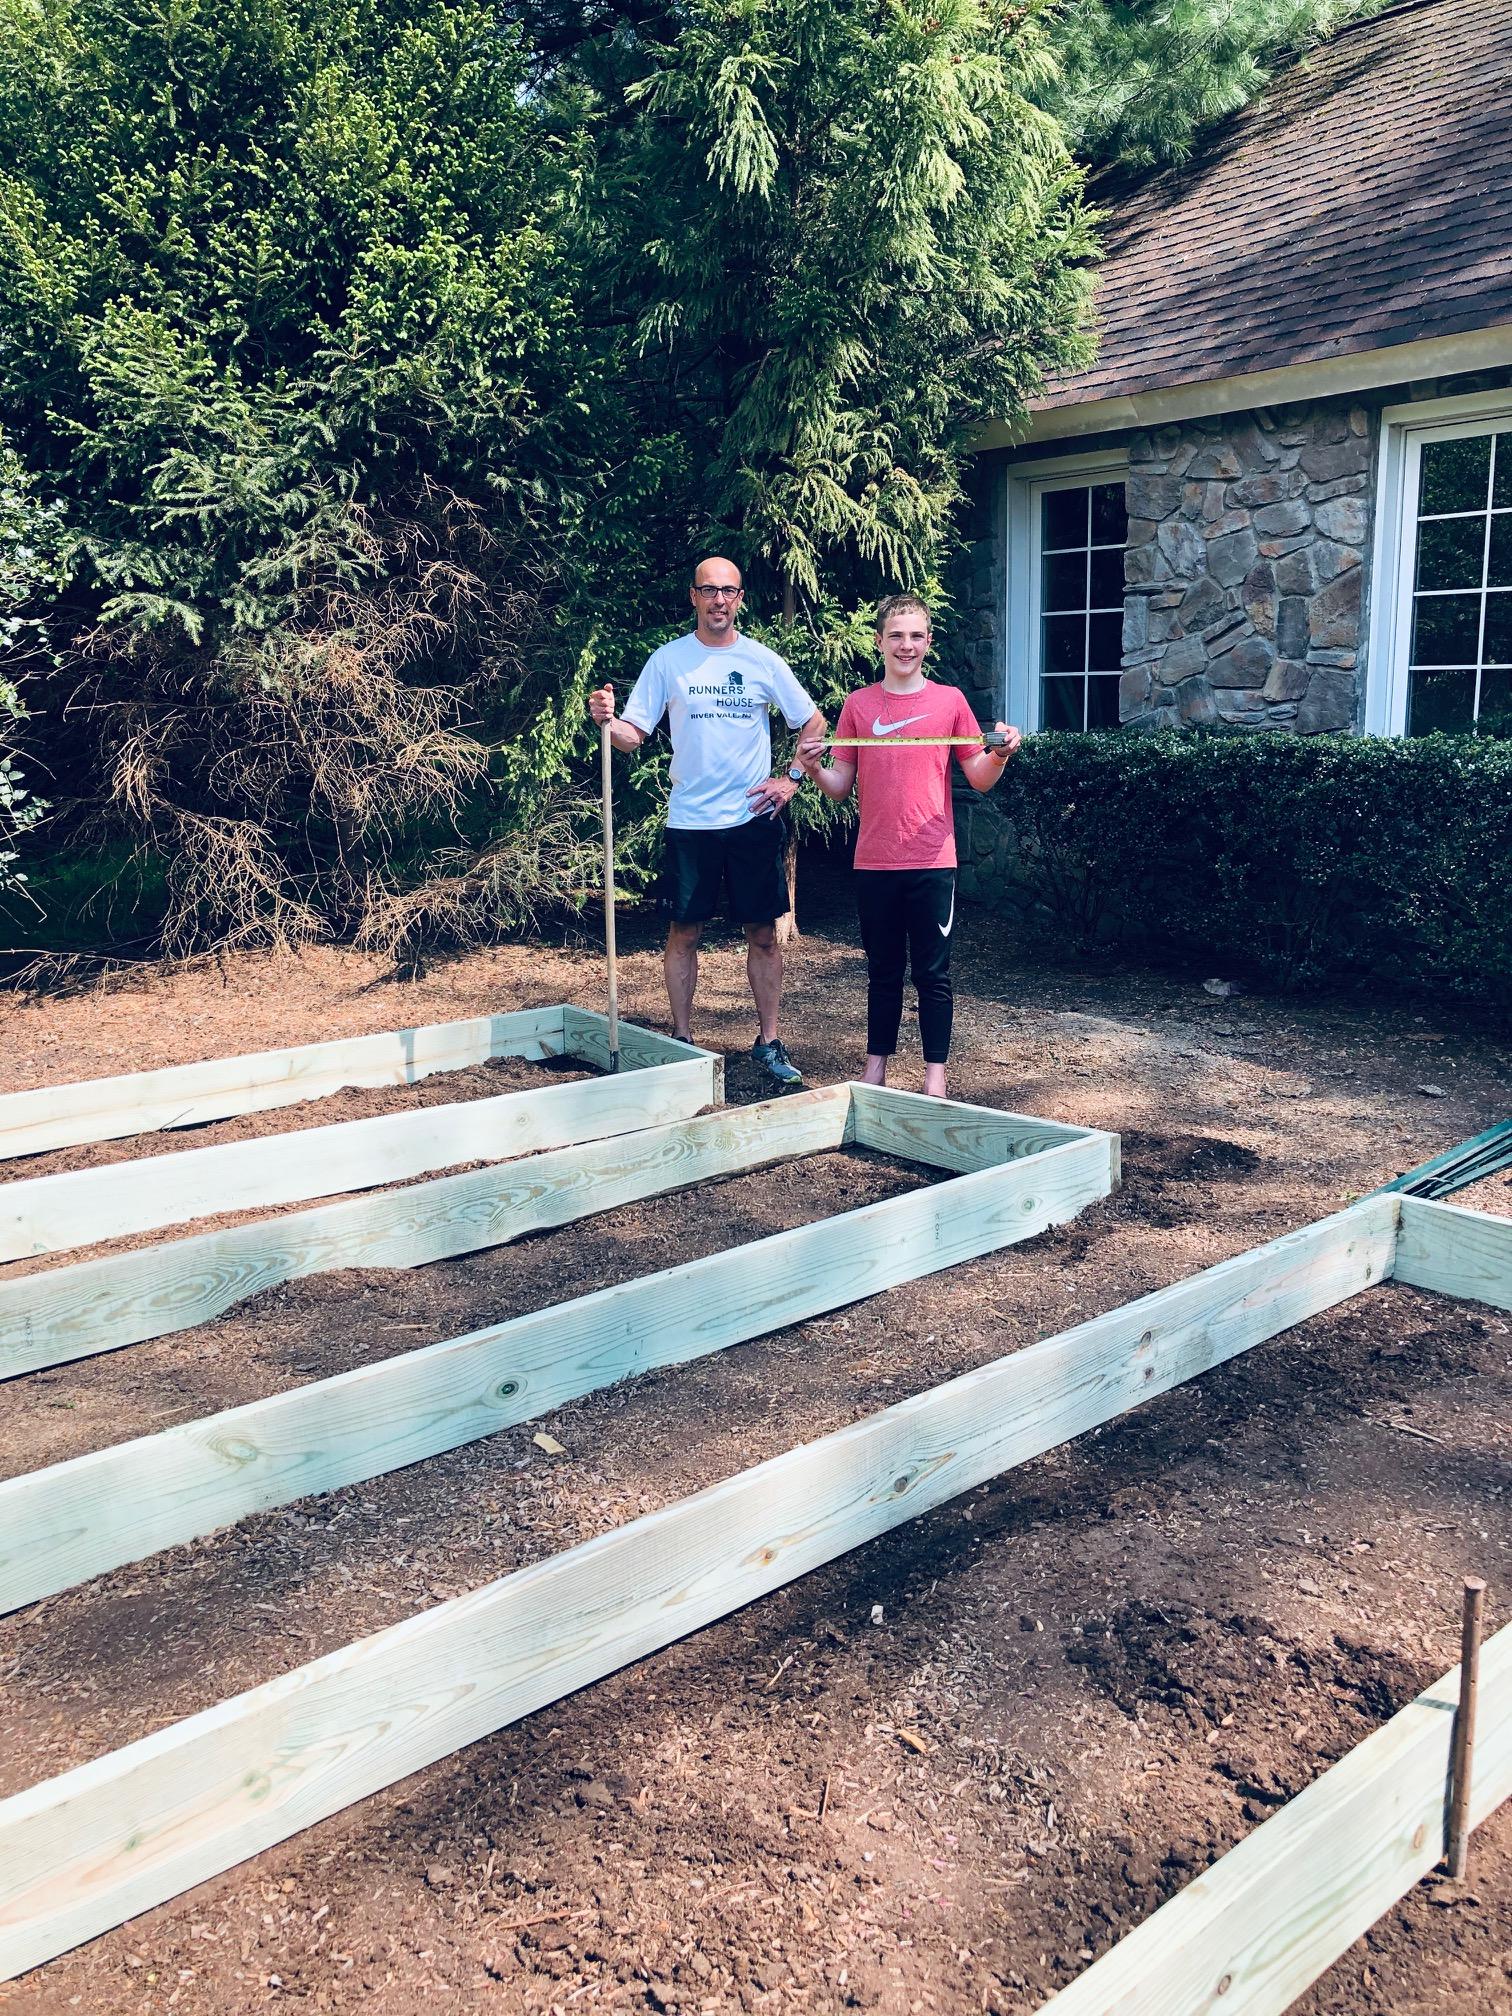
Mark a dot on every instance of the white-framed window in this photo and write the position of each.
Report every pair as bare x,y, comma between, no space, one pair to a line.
1441,626
1068,526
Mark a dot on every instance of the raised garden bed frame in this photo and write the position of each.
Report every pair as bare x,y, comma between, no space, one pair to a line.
98,1844
659,1080
1010,1177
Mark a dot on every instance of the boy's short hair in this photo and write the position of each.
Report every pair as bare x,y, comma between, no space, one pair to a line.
896,605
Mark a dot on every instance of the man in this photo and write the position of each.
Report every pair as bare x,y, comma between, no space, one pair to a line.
725,823
905,850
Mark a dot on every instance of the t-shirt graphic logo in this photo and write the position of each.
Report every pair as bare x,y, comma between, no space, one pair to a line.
735,683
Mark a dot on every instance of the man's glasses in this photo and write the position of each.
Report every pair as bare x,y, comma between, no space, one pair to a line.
713,588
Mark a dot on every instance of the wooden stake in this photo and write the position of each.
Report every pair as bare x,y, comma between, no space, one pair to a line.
606,768
1462,1754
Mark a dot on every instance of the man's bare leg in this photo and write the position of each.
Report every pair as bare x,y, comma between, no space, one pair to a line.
680,966
876,1070
764,971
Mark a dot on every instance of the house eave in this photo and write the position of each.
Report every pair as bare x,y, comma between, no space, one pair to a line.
1323,377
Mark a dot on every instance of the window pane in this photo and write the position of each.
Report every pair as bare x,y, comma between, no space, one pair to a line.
1064,518
1108,579
1496,704
1065,644
1446,630
1501,487
1061,703
1065,580
1498,648
1110,517
1102,703
1455,475
1451,552
1500,574
1105,644
1442,700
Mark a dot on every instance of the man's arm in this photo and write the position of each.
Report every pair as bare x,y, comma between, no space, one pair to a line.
623,734
770,796
983,768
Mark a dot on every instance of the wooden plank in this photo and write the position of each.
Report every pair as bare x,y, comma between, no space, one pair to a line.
1455,1252
187,1095
962,1137
586,1034
61,1525
83,1851
125,1298
1276,1912
48,1214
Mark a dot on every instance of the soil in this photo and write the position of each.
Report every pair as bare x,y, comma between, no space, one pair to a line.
942,1773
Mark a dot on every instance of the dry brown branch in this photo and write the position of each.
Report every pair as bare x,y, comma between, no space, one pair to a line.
551,863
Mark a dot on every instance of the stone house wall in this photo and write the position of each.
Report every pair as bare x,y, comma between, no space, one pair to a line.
1245,569
1246,585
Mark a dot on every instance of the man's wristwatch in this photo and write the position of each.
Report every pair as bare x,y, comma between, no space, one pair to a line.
796,772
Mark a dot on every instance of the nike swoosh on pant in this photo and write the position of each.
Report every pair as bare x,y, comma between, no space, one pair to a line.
881,727
945,927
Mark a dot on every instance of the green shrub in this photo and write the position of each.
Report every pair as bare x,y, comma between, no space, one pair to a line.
1299,862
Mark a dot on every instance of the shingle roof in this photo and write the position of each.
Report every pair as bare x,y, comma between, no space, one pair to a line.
1366,200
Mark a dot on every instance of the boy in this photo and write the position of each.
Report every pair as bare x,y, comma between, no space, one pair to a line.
905,851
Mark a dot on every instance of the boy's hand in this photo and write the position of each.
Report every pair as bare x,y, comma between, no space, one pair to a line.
809,754
1009,746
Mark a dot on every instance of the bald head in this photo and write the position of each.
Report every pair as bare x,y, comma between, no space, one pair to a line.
715,568
716,594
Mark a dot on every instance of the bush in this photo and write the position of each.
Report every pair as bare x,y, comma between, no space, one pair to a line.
1336,859
281,332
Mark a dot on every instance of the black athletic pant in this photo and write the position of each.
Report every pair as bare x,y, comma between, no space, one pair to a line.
907,915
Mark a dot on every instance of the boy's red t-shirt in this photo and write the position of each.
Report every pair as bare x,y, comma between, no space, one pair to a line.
904,794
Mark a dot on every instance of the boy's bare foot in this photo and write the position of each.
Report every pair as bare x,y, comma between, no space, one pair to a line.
875,1072
934,1081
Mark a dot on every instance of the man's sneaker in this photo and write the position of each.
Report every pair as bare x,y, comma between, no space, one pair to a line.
775,1061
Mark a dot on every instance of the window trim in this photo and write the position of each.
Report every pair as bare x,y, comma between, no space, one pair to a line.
1027,484
1404,430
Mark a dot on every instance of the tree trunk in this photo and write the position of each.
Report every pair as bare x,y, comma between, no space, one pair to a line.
787,927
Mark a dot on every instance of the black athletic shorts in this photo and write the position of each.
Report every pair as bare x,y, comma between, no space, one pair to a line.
744,860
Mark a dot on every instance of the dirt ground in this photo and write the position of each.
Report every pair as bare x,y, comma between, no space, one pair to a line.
942,1773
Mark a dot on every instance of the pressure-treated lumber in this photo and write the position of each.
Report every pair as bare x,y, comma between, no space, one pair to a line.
102,1305
81,1852
959,1136
124,1298
47,1214
1263,1923
1455,1252
75,1519
188,1095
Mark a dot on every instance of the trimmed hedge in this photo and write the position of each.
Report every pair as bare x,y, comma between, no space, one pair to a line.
1300,862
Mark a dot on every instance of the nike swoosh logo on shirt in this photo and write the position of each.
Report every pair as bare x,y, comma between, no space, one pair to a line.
945,927
881,727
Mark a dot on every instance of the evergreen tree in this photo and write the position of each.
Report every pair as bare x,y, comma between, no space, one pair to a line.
286,328
1136,80
833,237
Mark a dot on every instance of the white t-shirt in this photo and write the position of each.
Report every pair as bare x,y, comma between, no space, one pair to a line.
717,699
